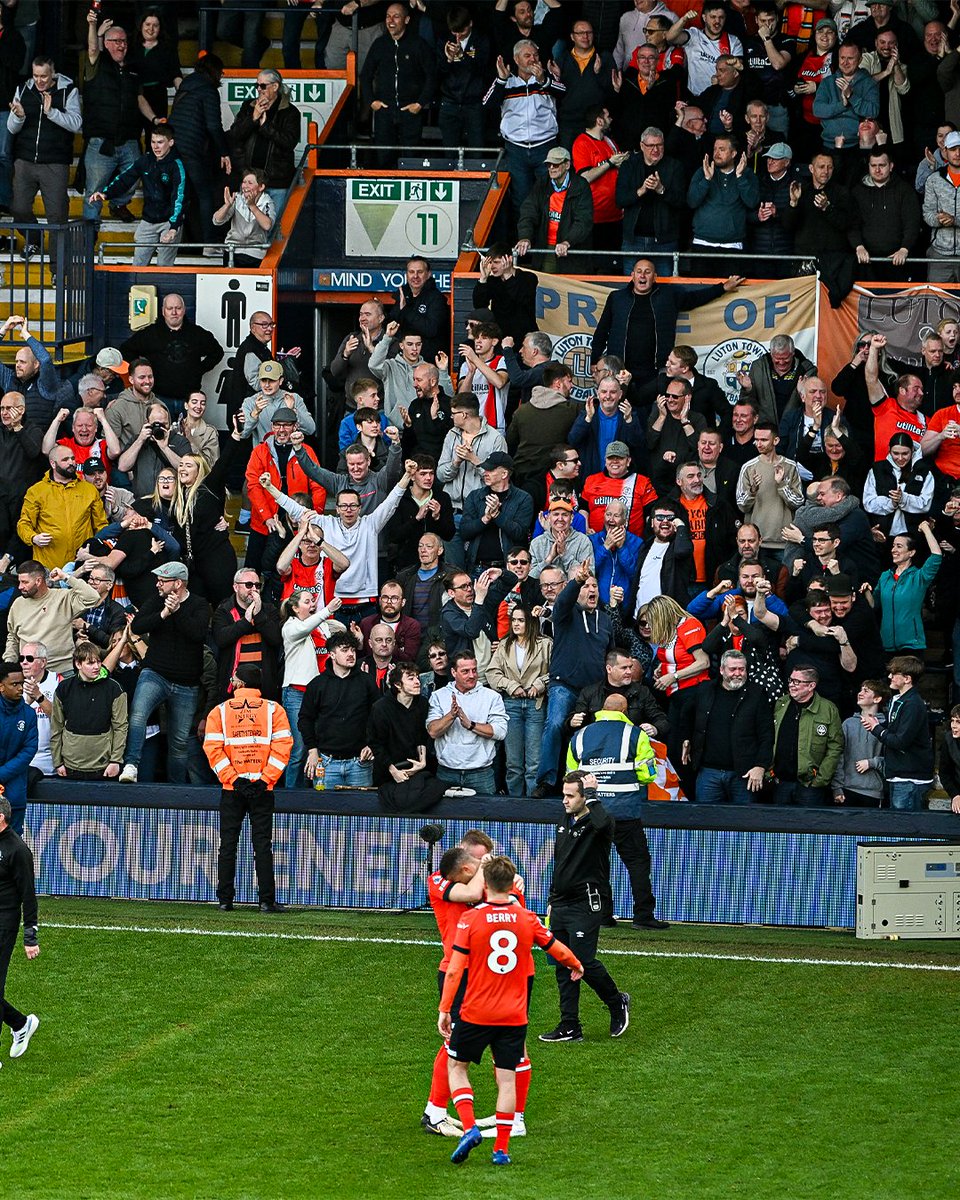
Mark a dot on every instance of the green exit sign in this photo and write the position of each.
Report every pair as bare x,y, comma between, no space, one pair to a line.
417,191
301,91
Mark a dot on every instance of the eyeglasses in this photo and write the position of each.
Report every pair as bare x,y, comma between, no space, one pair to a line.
265,324
27,658
348,506
115,41
244,583
437,654
800,683
459,587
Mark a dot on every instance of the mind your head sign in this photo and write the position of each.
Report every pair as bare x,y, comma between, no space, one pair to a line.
727,334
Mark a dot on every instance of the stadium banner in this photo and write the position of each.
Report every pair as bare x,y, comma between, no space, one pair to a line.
904,317
369,862
727,334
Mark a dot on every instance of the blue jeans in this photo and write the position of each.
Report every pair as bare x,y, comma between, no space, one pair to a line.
101,168
346,772
152,691
721,787
292,700
522,745
906,796
524,165
560,702
481,779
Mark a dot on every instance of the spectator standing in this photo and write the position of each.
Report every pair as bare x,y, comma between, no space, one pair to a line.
39,686
201,143
423,509
427,420
12,54
88,726
651,190
34,376
818,216
519,670
541,424
536,351
155,58
424,588
18,745
176,621
483,372
858,782
369,28
887,221
156,447
333,718
247,743
560,544
246,630
469,617
113,112
20,461
603,421
843,99
616,552
44,119
704,46
731,742
940,212
722,195
665,561
899,414
260,409
466,720
586,73
421,309
181,351
510,293
639,320
42,614
808,742
905,738
60,512
203,438
901,591
466,447
351,361
406,632
769,489
463,69
398,81
527,98
582,636
557,213
306,630
265,135
164,194
617,482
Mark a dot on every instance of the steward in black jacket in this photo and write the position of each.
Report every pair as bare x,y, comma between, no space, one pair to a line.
642,708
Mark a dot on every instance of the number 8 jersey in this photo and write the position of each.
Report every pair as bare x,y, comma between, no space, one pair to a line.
493,942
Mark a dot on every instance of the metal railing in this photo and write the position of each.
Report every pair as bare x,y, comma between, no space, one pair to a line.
66,251
435,158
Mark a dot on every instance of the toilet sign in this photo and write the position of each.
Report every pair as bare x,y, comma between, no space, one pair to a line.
394,218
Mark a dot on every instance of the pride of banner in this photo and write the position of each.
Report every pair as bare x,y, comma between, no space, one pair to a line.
727,334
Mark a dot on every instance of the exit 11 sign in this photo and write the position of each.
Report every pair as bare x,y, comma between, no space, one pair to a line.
394,218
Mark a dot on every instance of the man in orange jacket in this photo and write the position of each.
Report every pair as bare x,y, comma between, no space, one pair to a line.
247,743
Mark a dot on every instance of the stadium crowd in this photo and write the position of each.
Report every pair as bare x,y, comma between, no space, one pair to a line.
451,605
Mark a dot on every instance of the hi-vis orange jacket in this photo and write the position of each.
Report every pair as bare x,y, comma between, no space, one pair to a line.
247,737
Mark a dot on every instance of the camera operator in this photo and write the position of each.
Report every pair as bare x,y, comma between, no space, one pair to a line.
155,446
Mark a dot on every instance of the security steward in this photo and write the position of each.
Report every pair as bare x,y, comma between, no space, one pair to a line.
17,895
620,755
247,743
579,896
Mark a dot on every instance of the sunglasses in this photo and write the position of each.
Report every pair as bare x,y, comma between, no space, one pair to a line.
243,583
28,658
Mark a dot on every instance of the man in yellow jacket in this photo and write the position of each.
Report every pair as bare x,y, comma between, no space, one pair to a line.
247,743
60,512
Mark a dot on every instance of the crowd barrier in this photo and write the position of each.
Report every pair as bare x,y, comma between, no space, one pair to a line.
714,864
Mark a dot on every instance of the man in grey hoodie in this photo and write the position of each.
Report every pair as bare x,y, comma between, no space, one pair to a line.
541,424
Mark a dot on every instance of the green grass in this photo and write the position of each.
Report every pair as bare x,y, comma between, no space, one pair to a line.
185,1066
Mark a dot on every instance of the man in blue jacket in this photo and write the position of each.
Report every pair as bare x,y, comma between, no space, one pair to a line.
582,635
18,741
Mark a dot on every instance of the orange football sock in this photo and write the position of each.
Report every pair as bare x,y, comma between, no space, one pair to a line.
524,1075
440,1083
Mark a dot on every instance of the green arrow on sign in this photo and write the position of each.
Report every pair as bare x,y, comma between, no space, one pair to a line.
375,218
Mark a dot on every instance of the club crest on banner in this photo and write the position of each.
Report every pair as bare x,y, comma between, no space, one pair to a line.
725,360
574,351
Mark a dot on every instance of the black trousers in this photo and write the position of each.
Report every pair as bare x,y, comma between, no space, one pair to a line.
579,928
12,1016
630,840
232,811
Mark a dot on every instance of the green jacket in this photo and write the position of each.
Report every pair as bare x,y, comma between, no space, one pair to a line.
819,741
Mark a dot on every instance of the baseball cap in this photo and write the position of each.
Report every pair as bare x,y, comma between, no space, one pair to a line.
618,450
779,150
825,21
557,155
565,505
284,416
270,370
171,570
111,358
93,465
497,459
951,140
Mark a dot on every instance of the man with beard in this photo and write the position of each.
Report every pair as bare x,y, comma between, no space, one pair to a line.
731,744
60,512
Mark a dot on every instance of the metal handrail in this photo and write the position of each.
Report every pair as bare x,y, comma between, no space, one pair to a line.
70,259
426,151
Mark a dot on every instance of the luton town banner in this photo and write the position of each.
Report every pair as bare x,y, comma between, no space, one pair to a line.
727,334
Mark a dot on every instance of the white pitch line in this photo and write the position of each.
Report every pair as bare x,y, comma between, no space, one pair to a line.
385,941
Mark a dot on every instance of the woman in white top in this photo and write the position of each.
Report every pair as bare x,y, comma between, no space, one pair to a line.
519,670
305,632
251,214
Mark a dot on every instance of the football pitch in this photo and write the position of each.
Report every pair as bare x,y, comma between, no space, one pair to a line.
187,1053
